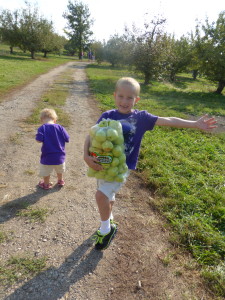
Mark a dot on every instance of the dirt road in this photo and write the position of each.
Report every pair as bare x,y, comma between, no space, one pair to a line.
140,263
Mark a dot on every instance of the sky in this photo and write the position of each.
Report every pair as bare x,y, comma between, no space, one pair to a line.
111,16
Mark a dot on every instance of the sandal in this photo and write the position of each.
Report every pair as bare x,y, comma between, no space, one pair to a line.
44,186
61,182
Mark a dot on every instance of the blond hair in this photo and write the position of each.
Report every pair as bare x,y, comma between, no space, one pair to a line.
48,113
129,81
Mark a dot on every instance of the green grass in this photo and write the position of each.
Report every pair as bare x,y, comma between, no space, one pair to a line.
184,168
34,214
18,68
16,138
54,98
3,236
19,268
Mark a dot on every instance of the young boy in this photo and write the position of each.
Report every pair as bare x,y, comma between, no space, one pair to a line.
53,138
135,123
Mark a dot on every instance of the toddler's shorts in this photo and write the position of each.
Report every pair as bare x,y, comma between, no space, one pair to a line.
46,170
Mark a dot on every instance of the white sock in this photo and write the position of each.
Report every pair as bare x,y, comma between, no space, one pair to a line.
105,227
111,216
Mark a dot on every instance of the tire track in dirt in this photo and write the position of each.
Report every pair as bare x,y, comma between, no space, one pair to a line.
130,268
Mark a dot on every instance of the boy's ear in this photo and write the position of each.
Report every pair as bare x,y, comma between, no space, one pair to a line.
137,99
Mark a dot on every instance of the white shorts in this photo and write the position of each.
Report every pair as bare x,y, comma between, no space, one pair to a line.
110,188
46,170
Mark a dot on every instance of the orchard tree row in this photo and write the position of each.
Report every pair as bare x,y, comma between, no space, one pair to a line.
158,55
28,30
150,51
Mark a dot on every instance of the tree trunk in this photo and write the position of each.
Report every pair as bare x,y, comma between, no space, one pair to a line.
147,78
11,50
32,54
220,87
45,54
194,74
172,76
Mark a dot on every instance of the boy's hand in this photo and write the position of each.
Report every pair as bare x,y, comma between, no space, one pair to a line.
93,163
206,124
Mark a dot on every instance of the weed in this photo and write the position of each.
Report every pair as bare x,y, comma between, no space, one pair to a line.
215,278
16,138
18,268
3,237
29,172
34,215
166,260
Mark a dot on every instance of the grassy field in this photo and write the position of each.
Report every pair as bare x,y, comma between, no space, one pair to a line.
18,68
184,168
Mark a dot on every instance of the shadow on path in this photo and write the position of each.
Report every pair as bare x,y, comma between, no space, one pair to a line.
10,209
53,283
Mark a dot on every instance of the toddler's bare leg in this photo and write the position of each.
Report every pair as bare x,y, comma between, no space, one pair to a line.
46,179
60,176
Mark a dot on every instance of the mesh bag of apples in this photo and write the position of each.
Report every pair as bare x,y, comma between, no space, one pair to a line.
107,145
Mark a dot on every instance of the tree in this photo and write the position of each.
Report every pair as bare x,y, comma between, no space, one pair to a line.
9,28
79,24
51,42
148,48
113,50
98,50
211,50
177,56
33,30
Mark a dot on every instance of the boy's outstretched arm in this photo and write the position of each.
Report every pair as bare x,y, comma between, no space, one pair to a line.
203,123
92,162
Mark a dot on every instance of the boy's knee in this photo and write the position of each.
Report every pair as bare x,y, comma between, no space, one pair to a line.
100,196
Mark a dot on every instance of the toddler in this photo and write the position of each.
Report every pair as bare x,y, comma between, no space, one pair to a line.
53,138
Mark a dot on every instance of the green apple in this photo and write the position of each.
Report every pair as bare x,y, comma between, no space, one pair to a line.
111,134
95,150
119,140
113,171
120,178
100,174
91,172
107,146
106,166
96,144
93,130
122,158
103,123
115,162
123,168
100,135
109,178
117,151
116,125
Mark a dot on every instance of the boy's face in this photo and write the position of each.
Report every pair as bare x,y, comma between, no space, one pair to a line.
125,99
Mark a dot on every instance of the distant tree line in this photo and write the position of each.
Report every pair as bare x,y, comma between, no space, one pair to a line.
28,30
158,55
150,51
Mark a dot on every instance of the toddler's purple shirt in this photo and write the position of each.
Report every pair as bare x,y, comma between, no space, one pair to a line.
53,137
134,124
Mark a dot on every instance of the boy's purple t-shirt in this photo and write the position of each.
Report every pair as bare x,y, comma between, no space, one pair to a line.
53,137
134,124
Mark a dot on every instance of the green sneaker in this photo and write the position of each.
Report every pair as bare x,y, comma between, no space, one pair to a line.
113,222
103,241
